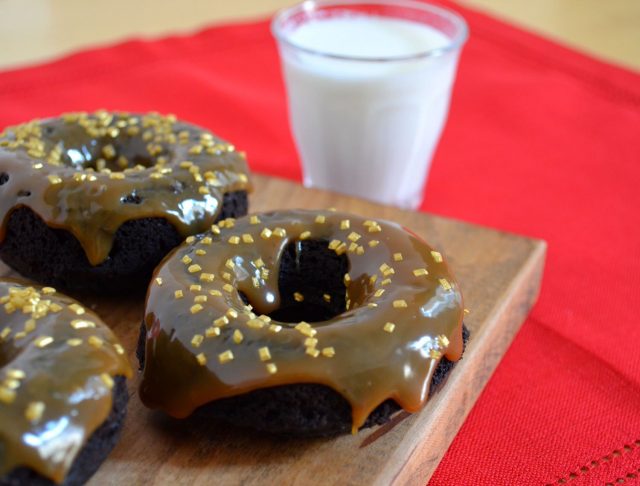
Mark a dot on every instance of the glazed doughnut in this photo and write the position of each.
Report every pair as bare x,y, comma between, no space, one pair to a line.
295,317
62,387
94,201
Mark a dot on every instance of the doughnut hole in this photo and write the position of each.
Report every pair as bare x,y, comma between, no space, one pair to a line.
309,269
115,150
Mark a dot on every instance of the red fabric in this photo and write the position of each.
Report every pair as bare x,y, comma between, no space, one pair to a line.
540,141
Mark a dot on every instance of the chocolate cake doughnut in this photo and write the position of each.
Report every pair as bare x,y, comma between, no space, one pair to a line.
62,388
94,201
299,322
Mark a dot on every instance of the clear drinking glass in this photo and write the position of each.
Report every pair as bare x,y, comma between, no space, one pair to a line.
368,92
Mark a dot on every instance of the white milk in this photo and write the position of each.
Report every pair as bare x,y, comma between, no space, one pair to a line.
362,126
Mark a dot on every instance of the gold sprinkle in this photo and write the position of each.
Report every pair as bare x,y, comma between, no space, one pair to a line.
328,352
201,252
397,257
326,297
275,328
226,276
119,349
320,219
77,308
16,374
389,327
48,290
373,243
95,341
201,358
204,190
373,279
386,281
54,179
258,263
345,224
5,333
445,284
195,268
237,336
221,321
310,342
38,166
420,272
229,264
398,304
280,232
305,235
196,308
159,280
443,341
341,249
467,312
333,244
55,307
6,395
305,329
186,259
196,340
195,287
215,293
312,352
255,323
255,281
266,233
73,342
199,299
178,294
272,368
360,250
109,152
30,325
107,380
264,353
117,175
346,279
232,313
207,277
254,220
207,240
225,356
247,238
437,256
234,240
298,297
43,341
82,324
227,288
353,236
34,411
378,293
212,332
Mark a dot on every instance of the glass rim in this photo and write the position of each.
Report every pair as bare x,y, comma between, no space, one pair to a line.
460,37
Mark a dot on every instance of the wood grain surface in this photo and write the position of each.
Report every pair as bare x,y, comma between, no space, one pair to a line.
499,275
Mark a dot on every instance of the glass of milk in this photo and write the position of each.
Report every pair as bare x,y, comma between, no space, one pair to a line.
368,86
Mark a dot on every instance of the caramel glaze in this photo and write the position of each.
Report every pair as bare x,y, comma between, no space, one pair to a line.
404,313
88,174
57,363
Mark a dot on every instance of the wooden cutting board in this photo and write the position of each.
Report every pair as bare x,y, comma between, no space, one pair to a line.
499,274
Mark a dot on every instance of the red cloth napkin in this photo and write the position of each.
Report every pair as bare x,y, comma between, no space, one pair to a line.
540,141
